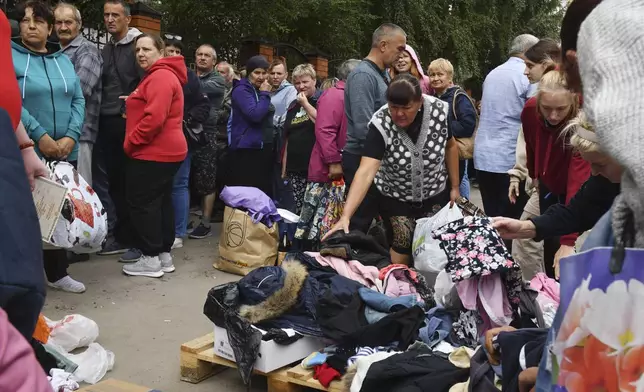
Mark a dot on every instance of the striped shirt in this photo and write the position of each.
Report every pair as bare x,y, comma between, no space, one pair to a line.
88,64
505,92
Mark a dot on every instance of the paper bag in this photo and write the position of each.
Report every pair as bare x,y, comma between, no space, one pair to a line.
244,245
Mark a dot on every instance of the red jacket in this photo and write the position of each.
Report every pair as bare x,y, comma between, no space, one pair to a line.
10,98
330,133
551,160
154,126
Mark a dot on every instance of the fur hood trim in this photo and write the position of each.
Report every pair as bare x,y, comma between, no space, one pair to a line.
348,377
281,300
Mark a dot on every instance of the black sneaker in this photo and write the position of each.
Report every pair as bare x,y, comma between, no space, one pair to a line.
131,256
200,232
111,247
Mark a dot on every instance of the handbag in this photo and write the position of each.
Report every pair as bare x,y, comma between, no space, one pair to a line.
465,144
194,134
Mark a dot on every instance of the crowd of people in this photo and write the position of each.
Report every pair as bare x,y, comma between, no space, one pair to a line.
552,137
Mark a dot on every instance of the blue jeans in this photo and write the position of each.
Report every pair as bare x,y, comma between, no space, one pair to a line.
464,189
181,198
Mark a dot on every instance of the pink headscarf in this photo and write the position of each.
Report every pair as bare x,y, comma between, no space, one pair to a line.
424,79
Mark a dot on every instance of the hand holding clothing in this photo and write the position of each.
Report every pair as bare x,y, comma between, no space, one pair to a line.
343,224
454,194
512,229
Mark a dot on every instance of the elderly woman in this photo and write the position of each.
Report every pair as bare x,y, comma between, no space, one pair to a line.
462,113
408,63
325,164
53,109
299,132
250,150
409,155
156,147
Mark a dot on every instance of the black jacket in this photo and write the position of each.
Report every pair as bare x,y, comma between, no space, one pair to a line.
196,107
589,204
121,73
416,370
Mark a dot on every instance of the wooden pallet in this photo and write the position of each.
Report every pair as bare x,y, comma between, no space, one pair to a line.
199,362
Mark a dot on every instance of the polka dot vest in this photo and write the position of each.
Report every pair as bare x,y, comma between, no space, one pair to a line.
413,172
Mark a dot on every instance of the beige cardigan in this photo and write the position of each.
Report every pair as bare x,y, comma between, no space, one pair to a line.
520,172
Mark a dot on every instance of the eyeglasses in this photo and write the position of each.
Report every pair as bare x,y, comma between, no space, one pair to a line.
172,36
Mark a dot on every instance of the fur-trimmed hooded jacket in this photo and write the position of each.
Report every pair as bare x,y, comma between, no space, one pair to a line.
286,296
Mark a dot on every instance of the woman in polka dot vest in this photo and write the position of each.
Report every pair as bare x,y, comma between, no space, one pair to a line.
409,156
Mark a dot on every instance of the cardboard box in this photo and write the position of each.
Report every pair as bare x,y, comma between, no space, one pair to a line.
112,385
272,356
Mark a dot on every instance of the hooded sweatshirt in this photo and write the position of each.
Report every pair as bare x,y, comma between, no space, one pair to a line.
154,126
121,73
249,110
550,158
424,79
52,97
282,99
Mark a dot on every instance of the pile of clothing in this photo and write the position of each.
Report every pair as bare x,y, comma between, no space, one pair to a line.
385,328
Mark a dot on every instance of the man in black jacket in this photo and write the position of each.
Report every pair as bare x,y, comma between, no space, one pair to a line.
121,75
196,112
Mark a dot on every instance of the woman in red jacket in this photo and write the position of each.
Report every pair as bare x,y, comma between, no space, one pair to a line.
557,170
155,146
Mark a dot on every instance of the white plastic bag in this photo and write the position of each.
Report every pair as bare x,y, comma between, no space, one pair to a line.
93,363
72,332
442,287
428,255
82,226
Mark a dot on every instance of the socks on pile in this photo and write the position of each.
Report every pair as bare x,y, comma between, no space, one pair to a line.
325,374
313,360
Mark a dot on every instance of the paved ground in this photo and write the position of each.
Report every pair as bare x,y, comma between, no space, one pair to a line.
144,321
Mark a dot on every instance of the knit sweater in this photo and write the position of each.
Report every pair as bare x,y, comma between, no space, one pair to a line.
611,70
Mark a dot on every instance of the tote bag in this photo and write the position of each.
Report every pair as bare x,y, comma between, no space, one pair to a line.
600,342
244,245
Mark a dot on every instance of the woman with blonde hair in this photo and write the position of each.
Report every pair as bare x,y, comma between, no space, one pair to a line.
408,62
299,132
540,59
557,170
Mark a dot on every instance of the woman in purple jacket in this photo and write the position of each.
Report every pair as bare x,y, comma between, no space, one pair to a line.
326,158
250,139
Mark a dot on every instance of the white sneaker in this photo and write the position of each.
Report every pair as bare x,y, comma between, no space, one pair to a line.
178,243
146,266
166,262
68,284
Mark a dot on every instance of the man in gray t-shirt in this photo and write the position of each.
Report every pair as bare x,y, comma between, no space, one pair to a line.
364,94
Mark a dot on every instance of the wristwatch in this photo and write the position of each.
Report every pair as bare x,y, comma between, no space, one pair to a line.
26,145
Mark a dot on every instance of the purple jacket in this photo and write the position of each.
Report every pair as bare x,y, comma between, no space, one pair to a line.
330,133
249,110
